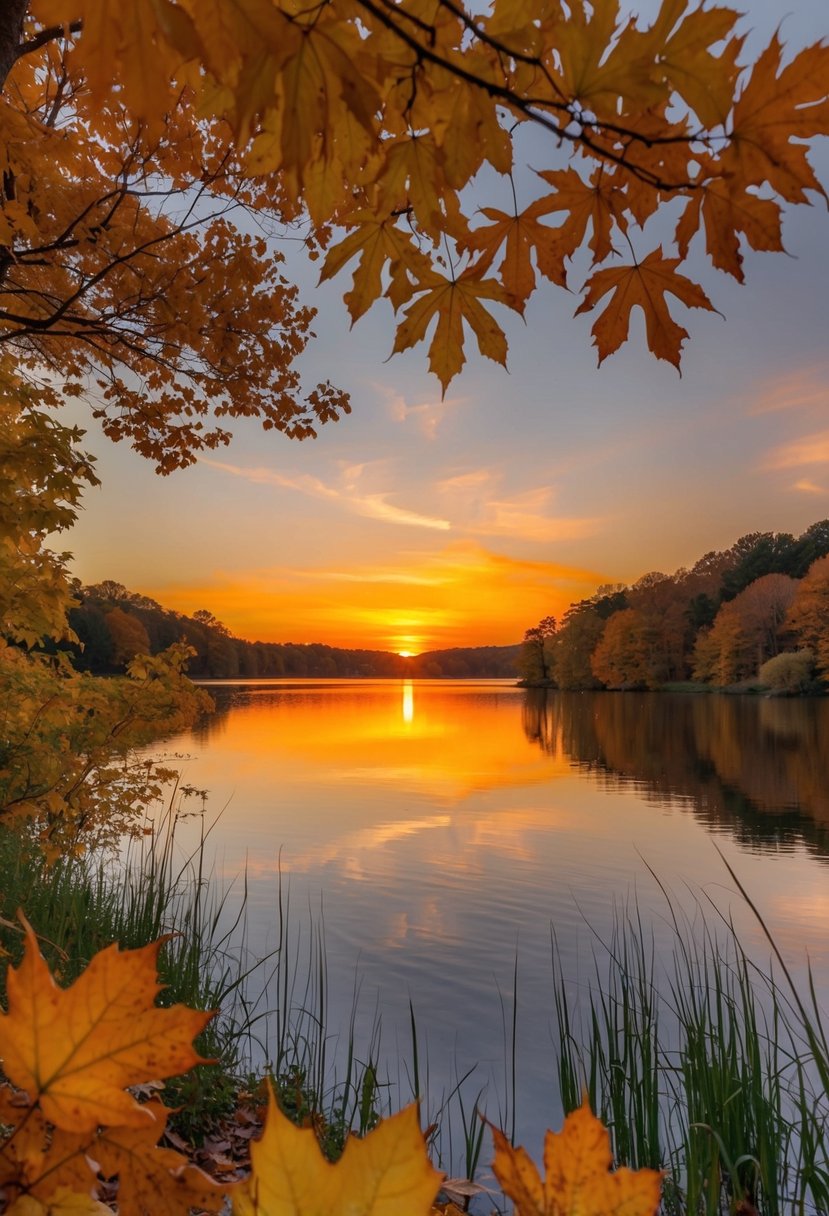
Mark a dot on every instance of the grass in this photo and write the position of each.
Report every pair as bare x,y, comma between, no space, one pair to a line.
271,1012
703,1065
699,1062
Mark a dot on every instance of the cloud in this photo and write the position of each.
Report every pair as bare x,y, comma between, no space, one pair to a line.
804,486
811,449
480,508
370,506
427,416
802,389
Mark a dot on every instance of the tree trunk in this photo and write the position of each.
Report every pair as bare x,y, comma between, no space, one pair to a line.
12,13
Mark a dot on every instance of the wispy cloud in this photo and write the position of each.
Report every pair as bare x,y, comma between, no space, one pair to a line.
800,389
369,505
804,486
427,416
477,501
811,449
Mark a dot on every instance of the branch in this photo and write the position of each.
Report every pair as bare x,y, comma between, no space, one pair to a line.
50,34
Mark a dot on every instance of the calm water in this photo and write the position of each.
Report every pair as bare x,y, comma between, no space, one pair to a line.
442,828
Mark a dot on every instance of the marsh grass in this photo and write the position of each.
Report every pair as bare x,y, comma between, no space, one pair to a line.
703,1064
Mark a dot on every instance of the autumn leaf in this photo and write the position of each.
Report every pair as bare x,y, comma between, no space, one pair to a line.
376,242
604,58
62,1203
682,42
75,1050
776,106
644,284
521,235
727,211
453,301
387,1173
577,1179
598,203
153,1181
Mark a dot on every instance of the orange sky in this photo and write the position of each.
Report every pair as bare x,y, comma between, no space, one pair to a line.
461,595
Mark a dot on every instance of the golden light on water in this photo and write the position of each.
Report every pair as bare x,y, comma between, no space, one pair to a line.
408,701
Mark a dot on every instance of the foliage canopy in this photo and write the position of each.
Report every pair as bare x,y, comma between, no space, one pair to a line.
147,148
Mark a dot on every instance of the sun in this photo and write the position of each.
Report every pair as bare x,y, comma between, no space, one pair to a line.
405,654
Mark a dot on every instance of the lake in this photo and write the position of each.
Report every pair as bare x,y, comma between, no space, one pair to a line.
442,831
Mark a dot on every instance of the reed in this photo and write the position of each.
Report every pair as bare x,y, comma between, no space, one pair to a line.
701,1064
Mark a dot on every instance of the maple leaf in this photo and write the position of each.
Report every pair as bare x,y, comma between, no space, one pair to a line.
62,1202
143,38
376,242
521,235
603,60
598,202
704,80
384,1174
153,1180
453,301
775,107
75,1050
726,210
644,283
577,1180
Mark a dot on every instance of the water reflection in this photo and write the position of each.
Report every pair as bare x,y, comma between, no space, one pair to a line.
444,827
408,701
756,766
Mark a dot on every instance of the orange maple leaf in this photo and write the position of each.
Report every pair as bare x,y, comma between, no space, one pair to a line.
775,107
682,41
644,283
75,1050
577,1180
453,301
520,235
385,1174
726,210
598,202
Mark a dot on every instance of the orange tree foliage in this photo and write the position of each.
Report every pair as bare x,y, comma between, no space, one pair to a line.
136,136
808,617
70,1123
746,631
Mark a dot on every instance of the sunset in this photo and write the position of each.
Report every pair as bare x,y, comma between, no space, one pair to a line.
414,608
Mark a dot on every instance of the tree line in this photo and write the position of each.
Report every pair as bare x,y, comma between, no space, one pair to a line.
113,625
756,613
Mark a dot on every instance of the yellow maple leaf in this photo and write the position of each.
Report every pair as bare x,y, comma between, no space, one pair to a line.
644,284
577,1179
63,1203
453,301
388,1173
75,1050
376,242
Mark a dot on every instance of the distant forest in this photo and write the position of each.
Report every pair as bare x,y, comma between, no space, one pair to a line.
754,615
113,625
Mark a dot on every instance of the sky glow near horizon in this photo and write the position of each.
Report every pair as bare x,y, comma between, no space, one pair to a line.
417,523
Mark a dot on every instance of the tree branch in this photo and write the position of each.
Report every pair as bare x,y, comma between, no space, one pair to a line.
50,34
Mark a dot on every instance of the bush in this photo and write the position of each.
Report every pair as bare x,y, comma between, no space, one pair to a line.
790,672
